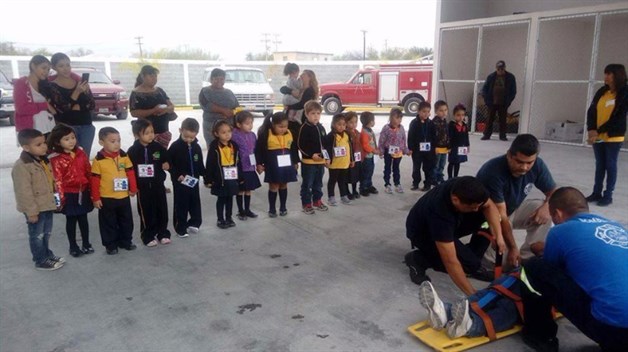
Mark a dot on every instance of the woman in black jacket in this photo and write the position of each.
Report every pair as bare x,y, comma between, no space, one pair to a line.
606,126
310,92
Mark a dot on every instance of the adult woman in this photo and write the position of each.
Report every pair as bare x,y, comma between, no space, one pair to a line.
152,103
606,126
29,94
217,103
73,101
310,92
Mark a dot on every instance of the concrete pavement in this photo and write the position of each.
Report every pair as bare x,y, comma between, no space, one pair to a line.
332,281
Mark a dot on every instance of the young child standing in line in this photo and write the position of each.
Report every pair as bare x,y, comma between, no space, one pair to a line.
186,168
294,84
246,140
422,141
369,146
442,140
340,150
355,170
113,181
392,146
310,143
223,172
150,161
35,197
277,155
459,141
72,173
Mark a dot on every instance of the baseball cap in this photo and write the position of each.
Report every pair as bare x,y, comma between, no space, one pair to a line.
500,63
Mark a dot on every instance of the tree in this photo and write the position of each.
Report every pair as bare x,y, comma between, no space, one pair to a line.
395,53
258,57
180,53
79,52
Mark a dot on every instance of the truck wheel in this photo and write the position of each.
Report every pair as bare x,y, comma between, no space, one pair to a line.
12,119
412,106
122,115
332,106
267,112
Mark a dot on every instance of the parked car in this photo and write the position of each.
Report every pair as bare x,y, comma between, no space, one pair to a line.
250,87
110,97
7,108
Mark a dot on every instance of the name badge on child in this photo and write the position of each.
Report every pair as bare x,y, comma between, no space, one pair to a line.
325,154
463,150
121,184
189,181
610,102
58,199
284,160
340,151
393,150
146,170
425,146
252,159
230,172
357,156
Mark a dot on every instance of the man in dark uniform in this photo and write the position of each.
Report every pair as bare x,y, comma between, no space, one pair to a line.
499,91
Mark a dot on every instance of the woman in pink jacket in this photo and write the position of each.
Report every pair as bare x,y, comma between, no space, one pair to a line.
29,94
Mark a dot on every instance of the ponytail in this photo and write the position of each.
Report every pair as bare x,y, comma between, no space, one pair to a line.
139,80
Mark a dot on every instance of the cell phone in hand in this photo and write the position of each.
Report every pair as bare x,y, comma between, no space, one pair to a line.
85,77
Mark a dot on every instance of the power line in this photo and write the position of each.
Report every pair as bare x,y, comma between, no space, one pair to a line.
139,43
266,40
276,41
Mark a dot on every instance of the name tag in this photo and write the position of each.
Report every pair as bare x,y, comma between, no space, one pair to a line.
340,151
425,146
284,160
230,172
58,199
357,156
610,102
393,149
190,181
325,154
146,170
121,184
252,159
463,150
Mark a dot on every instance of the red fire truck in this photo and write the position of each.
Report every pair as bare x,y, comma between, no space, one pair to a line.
389,85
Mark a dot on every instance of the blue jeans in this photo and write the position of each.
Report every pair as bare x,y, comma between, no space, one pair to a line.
606,154
312,186
85,137
390,162
39,236
439,167
368,167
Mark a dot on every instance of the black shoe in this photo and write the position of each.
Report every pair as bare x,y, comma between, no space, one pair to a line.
356,195
88,249
365,193
241,216
222,224
503,139
129,247
605,202
426,188
485,138
350,196
414,188
230,222
283,212
76,252
250,214
483,275
373,190
540,344
417,272
272,214
594,197
112,251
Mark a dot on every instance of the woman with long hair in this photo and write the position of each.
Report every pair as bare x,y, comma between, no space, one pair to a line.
30,94
310,92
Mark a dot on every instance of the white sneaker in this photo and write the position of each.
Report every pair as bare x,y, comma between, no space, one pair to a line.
152,243
435,307
192,229
345,200
165,241
388,190
461,322
332,201
398,189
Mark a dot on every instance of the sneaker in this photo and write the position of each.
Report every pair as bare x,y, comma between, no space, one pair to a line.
152,243
594,197
308,209
318,205
250,214
332,201
75,252
230,222
417,272
356,195
165,240
241,216
345,200
59,260
398,189
49,265
414,188
350,196
272,214
435,307
192,229
388,190
461,322
365,193
283,212
373,190
222,224
604,202
129,247
112,251
184,235
485,138
88,249
538,343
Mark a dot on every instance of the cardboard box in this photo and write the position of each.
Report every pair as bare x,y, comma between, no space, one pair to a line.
564,131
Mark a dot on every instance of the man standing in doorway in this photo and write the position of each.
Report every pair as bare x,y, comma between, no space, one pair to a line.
499,91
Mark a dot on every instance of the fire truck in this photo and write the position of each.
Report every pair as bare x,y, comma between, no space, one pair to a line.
389,85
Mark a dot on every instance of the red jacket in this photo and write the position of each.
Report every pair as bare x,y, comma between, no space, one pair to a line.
72,175
25,107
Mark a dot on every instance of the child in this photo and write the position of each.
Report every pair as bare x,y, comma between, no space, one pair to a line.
278,157
150,159
442,140
421,141
246,140
340,151
294,83
459,141
223,172
354,172
392,146
310,143
72,173
186,167
35,197
370,149
113,181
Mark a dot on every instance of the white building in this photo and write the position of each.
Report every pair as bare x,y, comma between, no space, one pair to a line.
557,49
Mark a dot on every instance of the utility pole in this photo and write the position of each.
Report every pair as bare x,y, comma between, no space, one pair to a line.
266,42
139,43
363,44
276,41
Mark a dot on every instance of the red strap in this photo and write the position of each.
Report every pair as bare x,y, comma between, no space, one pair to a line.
507,293
488,323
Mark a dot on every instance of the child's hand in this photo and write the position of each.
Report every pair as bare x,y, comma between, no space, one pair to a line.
165,166
352,164
208,185
33,218
259,168
181,178
296,166
327,162
98,204
317,157
132,194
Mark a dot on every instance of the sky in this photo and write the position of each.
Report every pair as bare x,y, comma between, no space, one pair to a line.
227,28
